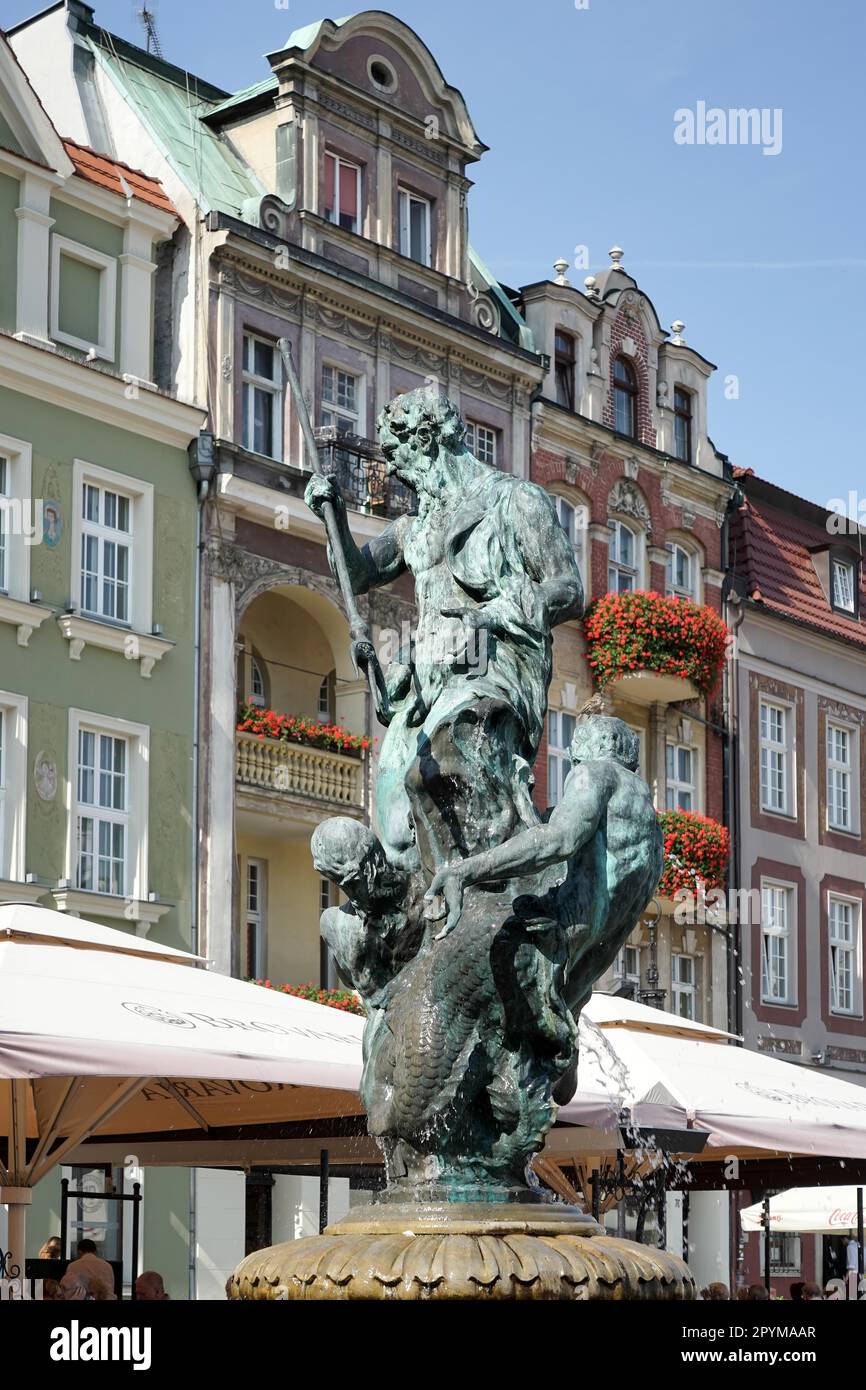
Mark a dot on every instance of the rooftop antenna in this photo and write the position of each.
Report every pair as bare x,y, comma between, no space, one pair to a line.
146,17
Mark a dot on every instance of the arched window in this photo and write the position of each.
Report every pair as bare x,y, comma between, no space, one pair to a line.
683,424
572,519
257,684
623,555
682,578
624,398
325,708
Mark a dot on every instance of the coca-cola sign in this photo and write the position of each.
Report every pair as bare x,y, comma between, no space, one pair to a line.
838,1217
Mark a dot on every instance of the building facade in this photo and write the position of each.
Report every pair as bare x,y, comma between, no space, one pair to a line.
796,606
328,205
98,521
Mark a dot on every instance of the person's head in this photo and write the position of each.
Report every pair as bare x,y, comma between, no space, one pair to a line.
758,1293
812,1292
52,1249
796,1292
51,1291
74,1288
86,1247
149,1287
716,1293
742,1293
350,855
601,738
421,436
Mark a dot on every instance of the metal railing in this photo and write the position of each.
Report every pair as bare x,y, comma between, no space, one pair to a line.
359,469
298,770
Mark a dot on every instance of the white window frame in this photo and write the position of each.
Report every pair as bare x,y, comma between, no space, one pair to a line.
848,567
836,769
673,783
259,700
684,989
619,567
273,386
13,786
20,523
853,948
772,930
557,752
358,417
772,748
107,266
140,616
621,971
341,163
256,919
693,589
575,526
405,198
137,738
491,437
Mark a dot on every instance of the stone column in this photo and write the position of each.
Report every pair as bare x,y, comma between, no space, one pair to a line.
34,227
217,830
136,299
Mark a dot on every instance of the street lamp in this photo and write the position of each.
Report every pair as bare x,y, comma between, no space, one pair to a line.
652,995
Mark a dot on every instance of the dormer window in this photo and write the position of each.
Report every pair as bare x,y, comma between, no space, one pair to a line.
624,398
844,585
682,424
415,223
564,369
342,192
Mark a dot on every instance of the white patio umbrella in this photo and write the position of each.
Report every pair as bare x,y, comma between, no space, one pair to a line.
668,1072
102,1032
809,1210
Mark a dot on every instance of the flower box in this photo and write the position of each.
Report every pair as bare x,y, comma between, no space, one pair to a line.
346,1000
683,644
697,850
296,728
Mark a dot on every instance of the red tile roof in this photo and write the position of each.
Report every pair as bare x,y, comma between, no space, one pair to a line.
771,557
98,168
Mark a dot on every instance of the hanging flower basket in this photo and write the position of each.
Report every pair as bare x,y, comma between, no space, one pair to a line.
697,850
645,631
346,1000
296,728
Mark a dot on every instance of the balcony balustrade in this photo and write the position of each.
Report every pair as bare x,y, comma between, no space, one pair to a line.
297,770
359,469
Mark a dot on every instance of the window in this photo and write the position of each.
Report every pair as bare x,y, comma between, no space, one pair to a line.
564,369
840,741
844,585
262,387
17,531
415,227
684,992
784,1253
844,938
83,297
324,705
102,813
573,522
481,441
342,192
622,559
775,758
682,572
680,777
13,781
112,547
106,551
624,398
253,962
341,396
108,796
627,970
682,424
560,732
257,684
776,973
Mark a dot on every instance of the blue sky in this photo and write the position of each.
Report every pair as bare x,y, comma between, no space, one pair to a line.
763,257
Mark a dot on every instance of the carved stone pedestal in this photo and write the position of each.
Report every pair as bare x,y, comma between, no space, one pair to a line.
472,1250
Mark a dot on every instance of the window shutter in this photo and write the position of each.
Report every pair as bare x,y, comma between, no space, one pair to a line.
330,176
405,247
349,191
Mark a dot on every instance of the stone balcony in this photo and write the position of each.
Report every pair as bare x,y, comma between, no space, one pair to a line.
294,781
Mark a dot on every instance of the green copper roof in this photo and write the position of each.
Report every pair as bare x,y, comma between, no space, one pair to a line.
514,326
171,112
269,84
302,38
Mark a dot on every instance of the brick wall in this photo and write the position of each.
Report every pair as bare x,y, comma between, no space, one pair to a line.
628,325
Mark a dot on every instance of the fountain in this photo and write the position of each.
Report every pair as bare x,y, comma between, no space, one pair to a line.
472,929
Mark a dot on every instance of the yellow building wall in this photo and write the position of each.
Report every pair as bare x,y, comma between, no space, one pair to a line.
292,906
